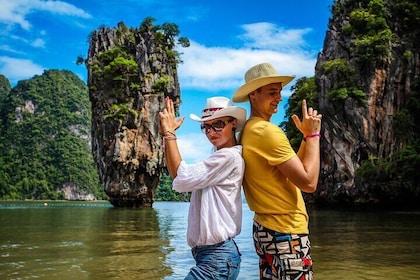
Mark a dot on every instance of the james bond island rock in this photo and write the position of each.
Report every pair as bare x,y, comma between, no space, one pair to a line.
368,77
130,72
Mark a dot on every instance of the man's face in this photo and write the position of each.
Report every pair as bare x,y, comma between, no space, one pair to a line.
267,98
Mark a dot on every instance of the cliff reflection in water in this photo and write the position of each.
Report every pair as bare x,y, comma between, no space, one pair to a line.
61,242
129,244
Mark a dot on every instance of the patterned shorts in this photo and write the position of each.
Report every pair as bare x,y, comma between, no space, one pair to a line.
282,256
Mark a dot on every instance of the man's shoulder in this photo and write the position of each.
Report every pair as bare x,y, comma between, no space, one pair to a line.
260,126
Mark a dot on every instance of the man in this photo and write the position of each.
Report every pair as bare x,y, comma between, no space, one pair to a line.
275,176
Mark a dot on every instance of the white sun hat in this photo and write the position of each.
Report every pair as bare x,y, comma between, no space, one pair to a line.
220,106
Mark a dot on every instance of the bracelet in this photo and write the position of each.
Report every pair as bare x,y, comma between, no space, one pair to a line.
169,131
167,138
311,135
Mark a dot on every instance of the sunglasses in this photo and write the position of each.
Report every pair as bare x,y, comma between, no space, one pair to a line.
217,126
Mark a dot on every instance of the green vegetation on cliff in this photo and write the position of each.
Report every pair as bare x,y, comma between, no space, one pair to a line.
45,127
165,193
304,88
402,168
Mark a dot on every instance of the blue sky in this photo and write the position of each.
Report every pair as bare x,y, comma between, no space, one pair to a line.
227,37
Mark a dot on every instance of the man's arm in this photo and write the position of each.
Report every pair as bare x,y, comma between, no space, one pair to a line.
303,169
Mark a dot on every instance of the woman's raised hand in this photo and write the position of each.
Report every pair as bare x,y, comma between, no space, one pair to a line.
167,119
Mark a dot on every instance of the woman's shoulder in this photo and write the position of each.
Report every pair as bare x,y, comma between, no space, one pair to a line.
237,149
227,155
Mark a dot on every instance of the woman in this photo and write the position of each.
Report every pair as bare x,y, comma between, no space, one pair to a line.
215,213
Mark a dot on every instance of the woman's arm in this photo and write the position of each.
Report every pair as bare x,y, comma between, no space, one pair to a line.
167,126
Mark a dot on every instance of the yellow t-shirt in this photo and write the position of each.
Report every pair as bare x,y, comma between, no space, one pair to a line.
278,204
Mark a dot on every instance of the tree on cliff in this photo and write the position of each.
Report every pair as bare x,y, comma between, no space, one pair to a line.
44,138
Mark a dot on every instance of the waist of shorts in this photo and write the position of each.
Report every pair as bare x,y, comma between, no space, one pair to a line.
214,245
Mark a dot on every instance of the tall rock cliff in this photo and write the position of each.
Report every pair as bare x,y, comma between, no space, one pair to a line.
368,77
130,72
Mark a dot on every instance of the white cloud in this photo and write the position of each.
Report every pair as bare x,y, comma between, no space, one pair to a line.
61,8
223,68
15,12
194,147
264,35
38,43
7,48
14,39
213,69
18,69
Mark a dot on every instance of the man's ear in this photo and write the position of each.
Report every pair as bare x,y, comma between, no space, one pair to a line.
251,95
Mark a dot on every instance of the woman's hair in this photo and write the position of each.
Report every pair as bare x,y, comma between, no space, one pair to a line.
234,132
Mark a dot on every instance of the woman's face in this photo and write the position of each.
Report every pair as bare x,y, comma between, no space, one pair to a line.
220,131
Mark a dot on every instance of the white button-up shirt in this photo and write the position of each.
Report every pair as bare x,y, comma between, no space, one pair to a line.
215,213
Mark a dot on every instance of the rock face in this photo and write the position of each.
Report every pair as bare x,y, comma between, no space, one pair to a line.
130,72
73,192
367,68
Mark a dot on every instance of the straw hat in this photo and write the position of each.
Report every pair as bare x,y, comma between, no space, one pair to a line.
258,76
220,106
